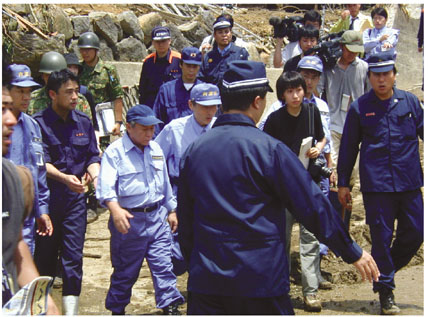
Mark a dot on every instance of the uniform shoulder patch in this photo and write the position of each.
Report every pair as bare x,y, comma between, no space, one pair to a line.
149,56
157,157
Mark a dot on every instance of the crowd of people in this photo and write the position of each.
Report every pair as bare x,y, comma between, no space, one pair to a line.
201,179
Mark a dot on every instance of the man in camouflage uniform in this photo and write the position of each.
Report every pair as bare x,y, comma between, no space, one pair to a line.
51,62
101,79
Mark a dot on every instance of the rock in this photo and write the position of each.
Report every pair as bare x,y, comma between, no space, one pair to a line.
38,46
81,24
178,41
106,28
59,22
147,23
105,52
252,50
130,25
194,32
131,50
20,8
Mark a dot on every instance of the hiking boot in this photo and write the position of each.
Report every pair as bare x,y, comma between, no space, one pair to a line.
312,303
91,216
387,302
57,282
324,284
171,309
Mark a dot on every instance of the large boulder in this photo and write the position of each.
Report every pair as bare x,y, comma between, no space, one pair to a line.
130,50
20,8
81,24
178,41
147,23
130,25
194,32
58,21
29,48
106,28
252,50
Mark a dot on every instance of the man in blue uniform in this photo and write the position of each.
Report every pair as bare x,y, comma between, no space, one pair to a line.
70,150
27,150
158,67
173,97
135,188
224,51
386,122
178,134
235,181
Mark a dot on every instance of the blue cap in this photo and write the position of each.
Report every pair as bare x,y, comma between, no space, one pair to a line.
381,62
143,115
160,33
20,75
245,74
191,55
205,94
221,23
311,62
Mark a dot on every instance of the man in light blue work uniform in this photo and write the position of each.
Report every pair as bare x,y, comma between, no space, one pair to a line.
27,150
172,100
386,123
179,133
134,185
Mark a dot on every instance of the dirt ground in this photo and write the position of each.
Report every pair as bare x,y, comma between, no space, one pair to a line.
350,295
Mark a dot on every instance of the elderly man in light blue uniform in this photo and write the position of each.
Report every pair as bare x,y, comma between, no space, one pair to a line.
134,185
179,134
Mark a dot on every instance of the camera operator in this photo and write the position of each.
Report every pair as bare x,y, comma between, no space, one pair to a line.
281,56
308,38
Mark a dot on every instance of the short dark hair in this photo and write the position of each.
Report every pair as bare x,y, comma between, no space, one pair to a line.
309,31
379,11
240,99
313,16
289,80
57,79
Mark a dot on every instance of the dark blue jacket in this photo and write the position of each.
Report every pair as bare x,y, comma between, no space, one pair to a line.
214,65
389,154
172,101
155,72
235,182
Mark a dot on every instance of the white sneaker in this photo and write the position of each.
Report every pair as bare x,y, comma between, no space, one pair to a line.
70,305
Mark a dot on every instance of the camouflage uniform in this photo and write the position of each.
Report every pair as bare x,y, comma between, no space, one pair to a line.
102,81
40,101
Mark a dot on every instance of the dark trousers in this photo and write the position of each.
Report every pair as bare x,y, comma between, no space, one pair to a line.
201,304
68,215
382,210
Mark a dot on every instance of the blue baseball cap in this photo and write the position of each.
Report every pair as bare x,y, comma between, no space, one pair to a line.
221,23
245,74
205,94
20,75
160,33
191,55
311,62
143,115
381,62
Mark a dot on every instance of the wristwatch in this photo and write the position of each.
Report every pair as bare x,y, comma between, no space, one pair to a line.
120,122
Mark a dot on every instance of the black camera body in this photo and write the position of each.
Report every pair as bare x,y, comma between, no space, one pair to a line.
287,27
328,50
317,168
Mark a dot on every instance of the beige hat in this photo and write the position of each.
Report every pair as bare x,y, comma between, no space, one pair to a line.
353,41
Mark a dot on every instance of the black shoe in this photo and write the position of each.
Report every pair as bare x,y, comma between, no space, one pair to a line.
387,302
171,309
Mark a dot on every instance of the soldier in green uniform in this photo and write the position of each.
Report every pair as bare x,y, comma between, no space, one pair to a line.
101,79
51,62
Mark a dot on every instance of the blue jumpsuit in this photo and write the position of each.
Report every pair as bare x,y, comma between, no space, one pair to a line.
155,72
71,147
215,63
172,102
235,182
27,150
390,174
138,179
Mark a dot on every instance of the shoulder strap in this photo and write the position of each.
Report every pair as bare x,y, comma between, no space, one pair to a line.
311,119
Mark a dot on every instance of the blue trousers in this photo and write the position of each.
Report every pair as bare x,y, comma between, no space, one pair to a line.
29,232
68,214
202,304
149,237
382,210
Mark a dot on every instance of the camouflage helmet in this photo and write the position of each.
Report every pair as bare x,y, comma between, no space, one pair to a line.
52,62
88,40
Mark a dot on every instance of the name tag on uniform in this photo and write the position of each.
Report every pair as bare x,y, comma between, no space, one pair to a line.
157,157
370,114
36,139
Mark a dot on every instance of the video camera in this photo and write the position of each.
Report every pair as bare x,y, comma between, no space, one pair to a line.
287,27
328,49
